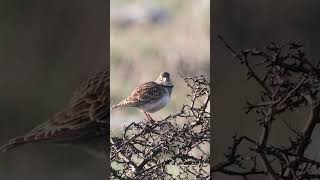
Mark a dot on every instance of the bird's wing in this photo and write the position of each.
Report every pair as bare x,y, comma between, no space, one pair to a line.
86,115
87,108
146,92
89,102
97,83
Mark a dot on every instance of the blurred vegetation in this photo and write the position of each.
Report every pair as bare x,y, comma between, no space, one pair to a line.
288,86
147,37
249,24
46,49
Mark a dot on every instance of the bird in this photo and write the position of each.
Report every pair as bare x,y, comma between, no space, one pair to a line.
149,97
83,123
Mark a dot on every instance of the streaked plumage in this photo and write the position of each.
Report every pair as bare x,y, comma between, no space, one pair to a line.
83,122
150,96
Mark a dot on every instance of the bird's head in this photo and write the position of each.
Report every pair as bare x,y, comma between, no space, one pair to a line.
164,79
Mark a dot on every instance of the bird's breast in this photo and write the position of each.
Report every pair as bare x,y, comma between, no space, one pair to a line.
156,105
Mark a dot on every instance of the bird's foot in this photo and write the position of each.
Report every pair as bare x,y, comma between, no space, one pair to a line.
149,118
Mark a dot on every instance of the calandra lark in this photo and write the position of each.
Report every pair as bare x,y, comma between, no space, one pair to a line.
84,122
151,96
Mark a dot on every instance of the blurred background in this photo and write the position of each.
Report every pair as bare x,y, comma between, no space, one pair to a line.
147,37
248,24
46,49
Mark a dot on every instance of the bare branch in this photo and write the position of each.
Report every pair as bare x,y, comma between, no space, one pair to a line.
152,149
290,82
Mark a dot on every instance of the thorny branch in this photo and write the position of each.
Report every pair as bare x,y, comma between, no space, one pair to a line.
290,83
176,147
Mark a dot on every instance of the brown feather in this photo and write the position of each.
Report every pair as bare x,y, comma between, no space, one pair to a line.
144,93
85,116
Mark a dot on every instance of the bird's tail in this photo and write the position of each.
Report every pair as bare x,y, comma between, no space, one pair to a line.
31,137
115,106
15,142
123,103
